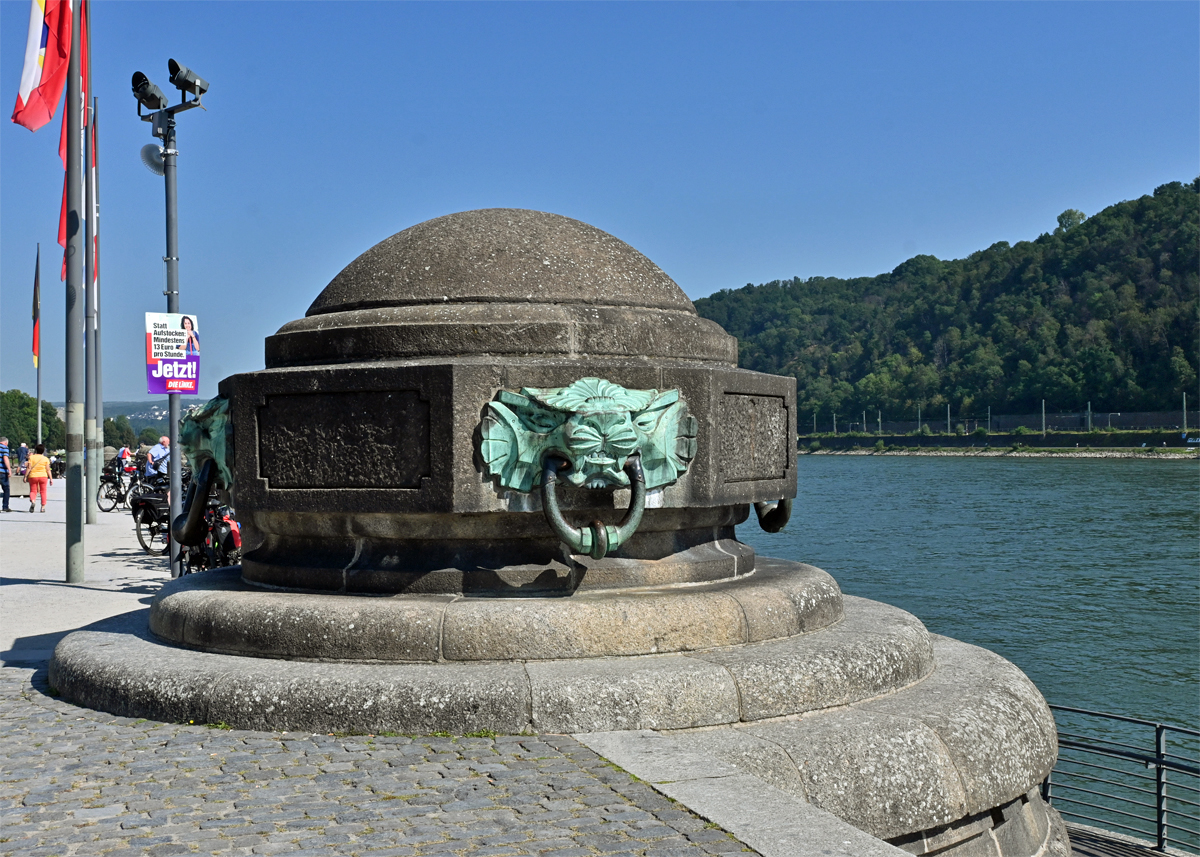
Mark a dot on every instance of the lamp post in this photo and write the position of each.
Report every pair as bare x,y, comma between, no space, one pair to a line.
162,124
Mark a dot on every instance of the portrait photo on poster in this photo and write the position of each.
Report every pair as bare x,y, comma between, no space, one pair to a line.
172,353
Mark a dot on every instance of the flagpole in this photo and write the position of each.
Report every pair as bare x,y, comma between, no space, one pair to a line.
37,342
96,251
92,437
73,363
91,457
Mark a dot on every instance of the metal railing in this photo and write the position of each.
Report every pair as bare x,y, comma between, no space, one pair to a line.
1135,777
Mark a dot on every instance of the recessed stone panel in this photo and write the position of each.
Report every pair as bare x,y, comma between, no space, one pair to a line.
375,439
754,437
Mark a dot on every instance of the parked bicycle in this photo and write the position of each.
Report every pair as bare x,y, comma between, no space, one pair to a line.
220,542
114,491
151,515
207,531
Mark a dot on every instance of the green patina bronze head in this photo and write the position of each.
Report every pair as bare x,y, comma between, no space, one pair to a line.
207,434
595,426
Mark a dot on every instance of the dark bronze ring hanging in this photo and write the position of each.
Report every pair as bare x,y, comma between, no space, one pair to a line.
773,517
597,539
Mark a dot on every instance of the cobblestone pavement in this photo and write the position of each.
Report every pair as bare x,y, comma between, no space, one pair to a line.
74,781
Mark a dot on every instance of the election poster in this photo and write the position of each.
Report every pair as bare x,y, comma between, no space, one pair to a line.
172,353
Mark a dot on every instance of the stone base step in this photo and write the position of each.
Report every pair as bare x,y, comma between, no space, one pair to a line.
974,735
218,612
921,740
875,649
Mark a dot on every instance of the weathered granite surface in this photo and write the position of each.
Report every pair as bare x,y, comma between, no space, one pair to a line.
389,375
217,612
499,255
776,821
927,742
974,734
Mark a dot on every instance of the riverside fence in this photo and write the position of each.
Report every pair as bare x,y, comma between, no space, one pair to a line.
1127,775
872,422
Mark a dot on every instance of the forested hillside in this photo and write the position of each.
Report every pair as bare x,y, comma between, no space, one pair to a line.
1102,310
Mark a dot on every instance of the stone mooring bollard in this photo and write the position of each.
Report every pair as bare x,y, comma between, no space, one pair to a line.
491,481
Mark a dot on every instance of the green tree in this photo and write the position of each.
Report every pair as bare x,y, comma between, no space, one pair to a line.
1104,309
118,432
18,421
1069,219
149,436
1185,374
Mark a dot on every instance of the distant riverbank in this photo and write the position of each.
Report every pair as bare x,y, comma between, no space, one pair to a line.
1159,454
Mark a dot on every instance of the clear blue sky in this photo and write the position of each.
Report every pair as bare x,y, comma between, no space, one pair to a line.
729,142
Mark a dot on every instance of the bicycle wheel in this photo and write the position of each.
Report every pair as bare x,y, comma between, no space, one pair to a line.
137,489
151,534
108,497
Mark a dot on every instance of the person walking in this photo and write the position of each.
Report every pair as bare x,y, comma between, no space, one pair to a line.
38,476
5,472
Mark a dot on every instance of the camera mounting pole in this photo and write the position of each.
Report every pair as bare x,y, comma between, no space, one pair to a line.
162,121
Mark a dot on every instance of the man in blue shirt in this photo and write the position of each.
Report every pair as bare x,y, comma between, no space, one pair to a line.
5,470
159,457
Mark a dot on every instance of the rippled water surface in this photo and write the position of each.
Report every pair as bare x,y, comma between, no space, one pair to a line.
1085,573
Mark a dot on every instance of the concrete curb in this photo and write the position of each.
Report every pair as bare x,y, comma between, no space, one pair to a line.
772,822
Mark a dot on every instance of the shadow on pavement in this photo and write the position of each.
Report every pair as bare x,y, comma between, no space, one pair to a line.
1092,842
134,586
137,558
36,649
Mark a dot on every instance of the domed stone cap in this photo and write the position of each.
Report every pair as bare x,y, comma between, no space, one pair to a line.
505,255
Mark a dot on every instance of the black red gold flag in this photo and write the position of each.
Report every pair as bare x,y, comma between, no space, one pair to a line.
37,306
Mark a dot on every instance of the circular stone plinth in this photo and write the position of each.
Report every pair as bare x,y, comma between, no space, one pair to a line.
218,612
873,651
889,728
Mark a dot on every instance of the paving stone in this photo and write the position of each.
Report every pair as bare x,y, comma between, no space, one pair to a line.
77,782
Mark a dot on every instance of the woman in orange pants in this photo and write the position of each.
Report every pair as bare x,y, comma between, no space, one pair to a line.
37,474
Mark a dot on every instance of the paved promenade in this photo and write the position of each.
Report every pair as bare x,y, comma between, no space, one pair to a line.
78,782
37,608
74,781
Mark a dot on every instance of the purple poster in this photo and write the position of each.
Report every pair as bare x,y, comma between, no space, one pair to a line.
172,353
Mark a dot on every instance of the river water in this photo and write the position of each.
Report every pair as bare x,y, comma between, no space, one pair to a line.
1085,573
